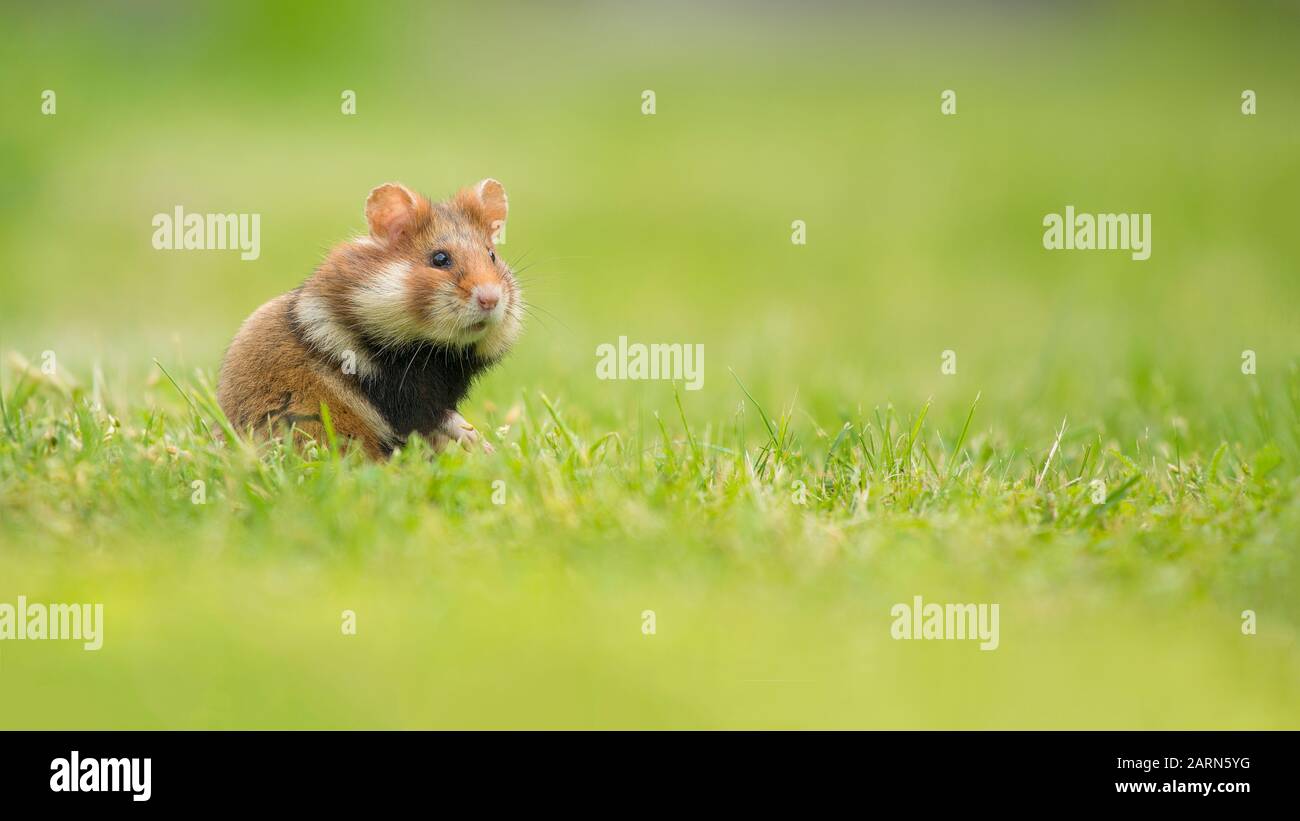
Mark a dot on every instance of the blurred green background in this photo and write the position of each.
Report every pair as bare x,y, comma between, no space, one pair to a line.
924,231
923,234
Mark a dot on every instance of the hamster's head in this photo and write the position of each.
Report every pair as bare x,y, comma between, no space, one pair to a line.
430,272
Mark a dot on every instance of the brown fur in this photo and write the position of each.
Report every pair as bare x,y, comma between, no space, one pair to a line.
270,383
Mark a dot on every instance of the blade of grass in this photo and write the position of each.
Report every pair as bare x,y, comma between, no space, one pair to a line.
690,437
4,414
961,438
767,423
197,416
1056,445
569,436
916,429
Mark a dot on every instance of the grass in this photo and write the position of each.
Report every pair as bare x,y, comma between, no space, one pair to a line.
770,546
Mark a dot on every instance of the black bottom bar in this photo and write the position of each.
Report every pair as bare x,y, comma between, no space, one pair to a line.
337,769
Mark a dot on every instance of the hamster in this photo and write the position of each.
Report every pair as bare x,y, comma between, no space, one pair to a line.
389,332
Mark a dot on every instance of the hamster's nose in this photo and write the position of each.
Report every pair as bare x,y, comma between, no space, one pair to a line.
487,296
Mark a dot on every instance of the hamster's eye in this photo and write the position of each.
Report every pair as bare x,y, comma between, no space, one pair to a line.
440,259
492,254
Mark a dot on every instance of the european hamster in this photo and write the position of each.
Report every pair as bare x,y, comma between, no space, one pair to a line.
389,331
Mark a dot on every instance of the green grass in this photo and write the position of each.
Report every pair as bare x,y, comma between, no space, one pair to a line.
769,612
822,368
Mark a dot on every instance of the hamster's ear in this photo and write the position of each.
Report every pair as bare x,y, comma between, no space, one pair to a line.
391,212
486,202
493,196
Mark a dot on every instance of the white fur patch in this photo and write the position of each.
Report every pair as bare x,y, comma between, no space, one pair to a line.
381,303
327,334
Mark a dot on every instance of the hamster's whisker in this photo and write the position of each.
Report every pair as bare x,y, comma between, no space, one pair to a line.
531,307
402,382
535,263
536,317
532,311
519,260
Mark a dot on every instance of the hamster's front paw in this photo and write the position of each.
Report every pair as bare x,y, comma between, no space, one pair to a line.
456,429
